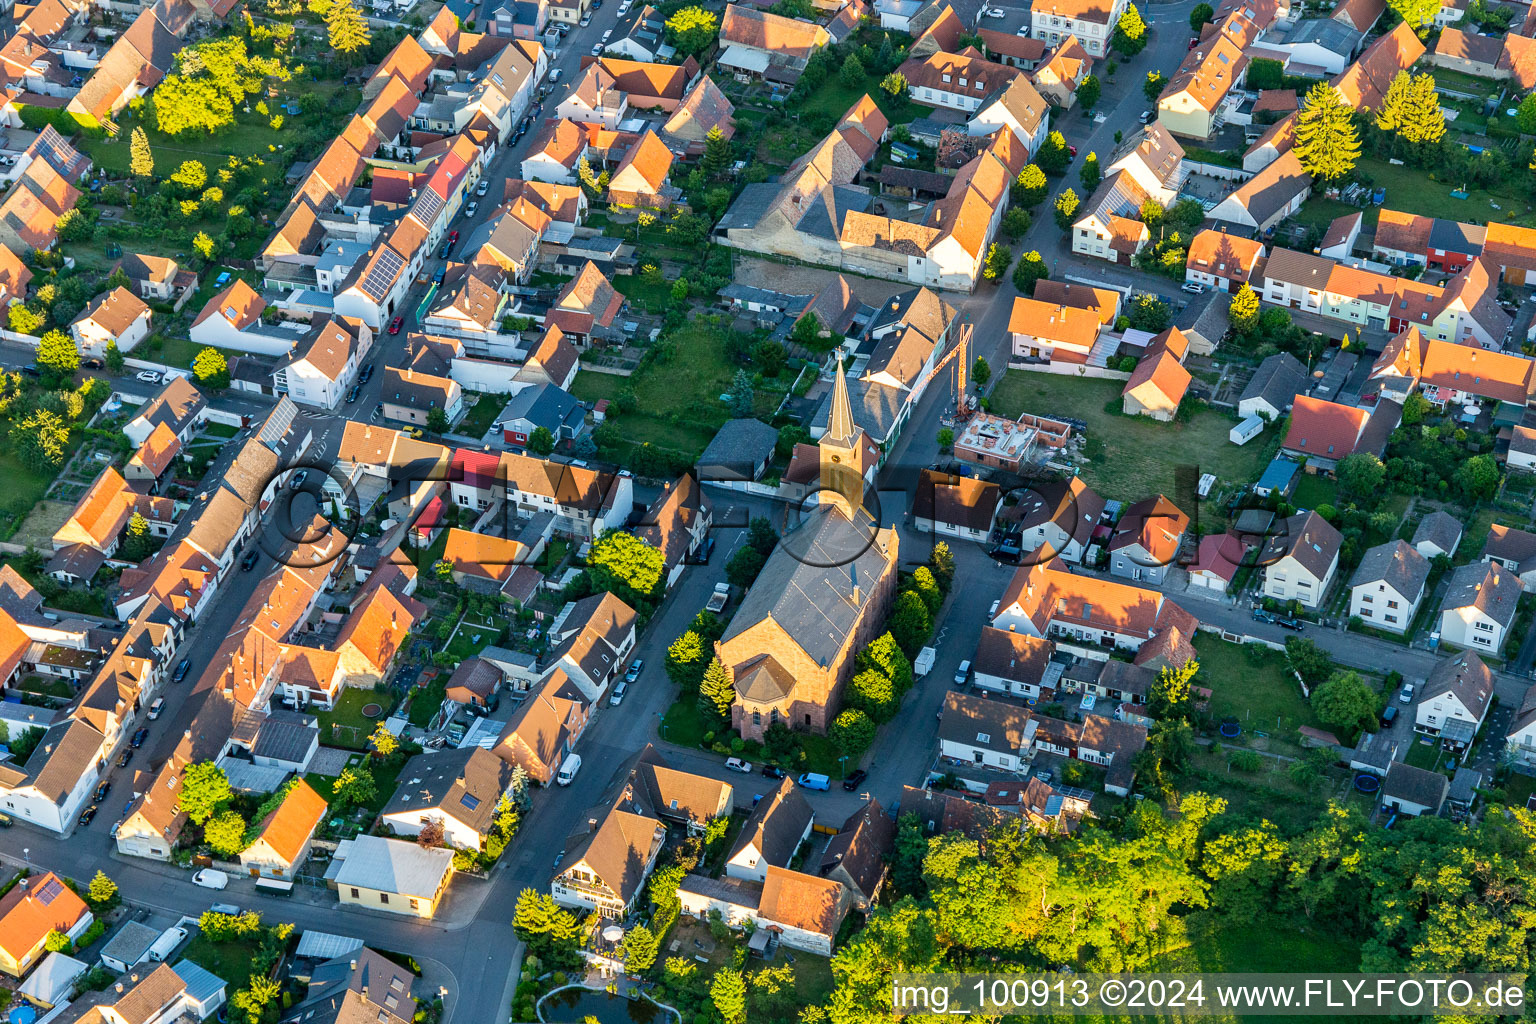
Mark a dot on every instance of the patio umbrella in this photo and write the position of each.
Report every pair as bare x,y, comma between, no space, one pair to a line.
613,933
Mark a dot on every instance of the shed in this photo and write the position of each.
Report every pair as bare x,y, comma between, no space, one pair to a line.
1413,790
1279,477
1246,430
129,947
1464,786
53,980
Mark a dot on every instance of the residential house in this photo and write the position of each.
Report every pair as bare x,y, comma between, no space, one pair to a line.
641,178
956,81
1012,663
1413,791
1515,550
773,832
457,789
1217,560
1222,261
1158,384
541,406
154,458
1052,333
1300,558
32,909
754,42
1454,700
117,317
1267,198
677,524
178,404
1273,387
955,506
1452,374
702,110
739,453
1191,103
475,683
1522,449
1016,105
586,308
1061,71
393,876
1479,607
607,860
1057,518
544,729
409,396
591,639
358,985
1146,540
554,361
31,211
283,837
985,733
1090,21
1388,585
1520,737
1046,599
856,855
324,363
584,502
1322,432
154,277
99,516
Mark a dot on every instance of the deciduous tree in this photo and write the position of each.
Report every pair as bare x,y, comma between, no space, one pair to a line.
211,368
910,623
728,993
204,789
1152,88
1088,91
1030,188
1198,17
895,84
1130,35
692,29
996,265
1089,175
640,949
1030,268
1053,155
354,787
345,28
853,733
225,833
57,356
1066,208
626,566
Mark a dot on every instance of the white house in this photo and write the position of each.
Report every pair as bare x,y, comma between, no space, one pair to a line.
1059,517
117,316
955,506
232,320
1460,689
1387,587
283,838
1479,606
1092,21
985,733
1520,739
778,825
1300,559
322,368
458,788
1013,663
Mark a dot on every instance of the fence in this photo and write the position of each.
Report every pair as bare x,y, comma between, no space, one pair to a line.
1221,171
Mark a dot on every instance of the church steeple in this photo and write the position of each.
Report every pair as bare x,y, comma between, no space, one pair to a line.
842,482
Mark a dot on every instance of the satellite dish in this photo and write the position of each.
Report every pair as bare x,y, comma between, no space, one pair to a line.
613,933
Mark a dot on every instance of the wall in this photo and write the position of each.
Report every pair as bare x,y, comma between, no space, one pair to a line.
1071,370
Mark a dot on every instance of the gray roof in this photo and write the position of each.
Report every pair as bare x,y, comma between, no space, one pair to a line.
1309,539
1206,317
544,405
392,865
737,449
876,408
1396,564
776,826
315,945
1332,35
1278,380
286,736
1464,785
1465,676
808,585
1415,785
1441,529
360,986
131,942
750,207
1488,586
464,783
202,984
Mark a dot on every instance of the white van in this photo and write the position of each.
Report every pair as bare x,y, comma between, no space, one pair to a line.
156,708
616,696
568,769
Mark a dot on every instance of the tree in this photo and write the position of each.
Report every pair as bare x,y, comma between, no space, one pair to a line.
624,565
115,358
1411,110
140,160
1151,314
204,245
1130,35
907,859
981,371
1326,141
770,357
1030,268
1053,155
640,949
24,319
204,790
728,993
102,891
872,693
1417,13
1360,475
741,395
1265,73
1152,88
1066,207
56,941
1308,660
1030,189
41,440
1346,702
852,733
434,833
57,356
1170,695
225,833
685,660
895,84
253,1000
852,73
717,153
744,565
191,176
1525,115
135,547
1016,223
1088,91
383,741
942,562
946,438
437,421
541,441
1089,175
211,368
1200,16
1244,310
354,787
345,28
996,265
1478,477
716,694
692,29
910,623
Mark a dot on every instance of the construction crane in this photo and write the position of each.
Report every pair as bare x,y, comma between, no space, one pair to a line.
964,404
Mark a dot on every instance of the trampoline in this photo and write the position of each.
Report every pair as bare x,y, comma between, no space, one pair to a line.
1231,730
1367,783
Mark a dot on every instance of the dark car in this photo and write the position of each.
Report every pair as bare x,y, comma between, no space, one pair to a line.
139,738
1260,615
31,371
125,757
352,395
103,789
395,324
86,815
182,670
1288,622
773,771
855,779
367,373
249,561
1388,716
92,363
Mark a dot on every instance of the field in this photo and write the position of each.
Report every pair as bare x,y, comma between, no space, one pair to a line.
1252,683
677,398
1130,457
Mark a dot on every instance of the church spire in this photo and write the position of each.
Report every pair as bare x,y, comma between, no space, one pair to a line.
840,424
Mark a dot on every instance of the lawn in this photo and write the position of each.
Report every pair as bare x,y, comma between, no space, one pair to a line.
1314,490
1131,457
1424,755
684,723
351,730
479,418
1252,683
677,398
1412,189
179,352
471,638
229,960
385,777
51,687
24,487
1278,944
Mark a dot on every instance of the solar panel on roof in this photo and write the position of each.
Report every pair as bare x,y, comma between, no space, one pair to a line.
382,274
428,205
49,892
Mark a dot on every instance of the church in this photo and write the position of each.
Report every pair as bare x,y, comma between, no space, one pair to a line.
823,594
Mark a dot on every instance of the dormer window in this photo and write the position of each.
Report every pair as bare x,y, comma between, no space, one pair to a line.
946,77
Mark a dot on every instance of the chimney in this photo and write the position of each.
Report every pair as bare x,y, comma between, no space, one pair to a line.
353,965
118,988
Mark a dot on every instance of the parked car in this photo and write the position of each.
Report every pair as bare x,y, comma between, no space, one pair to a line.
773,771
616,695
352,395
1290,622
597,49
633,672
469,211
210,878
855,779
139,738
125,757
1193,287
87,815
485,186
148,376
367,373
1406,696
1260,615
102,790
586,19
92,363
554,76
1146,115
963,672
115,826
1045,775
181,671
249,561
607,35
155,708
395,324
1388,715
453,237
5,821
736,764
812,780
1072,150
